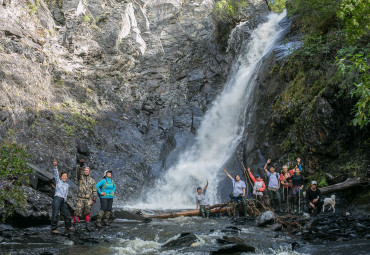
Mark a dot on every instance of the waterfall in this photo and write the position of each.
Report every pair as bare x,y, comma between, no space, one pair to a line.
220,131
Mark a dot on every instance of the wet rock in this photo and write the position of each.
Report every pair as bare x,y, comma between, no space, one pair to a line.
306,216
236,248
275,227
230,240
266,218
185,239
36,210
129,216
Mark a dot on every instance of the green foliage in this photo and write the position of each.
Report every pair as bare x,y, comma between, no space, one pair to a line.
32,8
13,174
356,16
319,177
315,14
231,11
277,5
355,68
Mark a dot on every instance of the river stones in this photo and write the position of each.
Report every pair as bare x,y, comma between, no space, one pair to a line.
185,239
266,218
234,248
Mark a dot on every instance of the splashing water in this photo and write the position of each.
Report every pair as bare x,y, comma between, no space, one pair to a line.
220,131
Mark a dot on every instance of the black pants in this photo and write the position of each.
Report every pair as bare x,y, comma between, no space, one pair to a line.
317,209
60,205
106,204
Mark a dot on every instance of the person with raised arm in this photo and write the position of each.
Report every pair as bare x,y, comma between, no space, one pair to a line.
59,200
258,187
202,201
238,192
273,186
298,182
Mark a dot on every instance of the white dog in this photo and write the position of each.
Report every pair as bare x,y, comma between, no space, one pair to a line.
329,201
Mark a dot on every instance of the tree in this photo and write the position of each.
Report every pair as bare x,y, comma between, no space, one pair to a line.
14,172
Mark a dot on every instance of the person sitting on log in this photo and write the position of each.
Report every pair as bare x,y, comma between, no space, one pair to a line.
238,194
273,186
202,201
258,187
313,199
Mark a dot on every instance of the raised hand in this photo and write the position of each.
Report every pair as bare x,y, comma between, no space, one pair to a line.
55,162
268,161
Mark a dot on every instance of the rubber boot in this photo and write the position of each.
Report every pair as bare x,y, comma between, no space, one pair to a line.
106,218
295,204
236,208
99,219
245,209
88,226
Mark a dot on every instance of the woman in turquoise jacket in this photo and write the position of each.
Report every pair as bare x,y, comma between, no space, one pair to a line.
106,188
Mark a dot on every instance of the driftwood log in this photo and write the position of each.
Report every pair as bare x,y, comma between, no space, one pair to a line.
218,208
349,183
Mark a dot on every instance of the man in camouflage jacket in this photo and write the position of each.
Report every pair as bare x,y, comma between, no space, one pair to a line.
86,197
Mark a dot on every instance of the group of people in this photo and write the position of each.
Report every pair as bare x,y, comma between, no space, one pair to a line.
88,191
288,184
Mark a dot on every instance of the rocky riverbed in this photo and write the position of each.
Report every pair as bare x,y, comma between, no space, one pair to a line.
131,234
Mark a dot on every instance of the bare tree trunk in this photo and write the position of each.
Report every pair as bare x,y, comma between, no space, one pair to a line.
349,183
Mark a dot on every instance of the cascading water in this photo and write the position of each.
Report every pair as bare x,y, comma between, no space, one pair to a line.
220,131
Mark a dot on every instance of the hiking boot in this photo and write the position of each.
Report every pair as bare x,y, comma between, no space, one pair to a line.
99,219
106,218
54,232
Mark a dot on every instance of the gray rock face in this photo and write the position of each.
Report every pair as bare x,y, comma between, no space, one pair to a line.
113,82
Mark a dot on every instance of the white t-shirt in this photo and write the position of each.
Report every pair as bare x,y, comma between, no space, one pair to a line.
201,199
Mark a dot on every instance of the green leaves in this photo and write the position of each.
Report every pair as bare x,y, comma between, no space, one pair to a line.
13,174
355,66
231,11
356,16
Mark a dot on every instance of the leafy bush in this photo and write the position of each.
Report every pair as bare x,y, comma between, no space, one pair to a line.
356,16
277,5
13,174
355,67
230,11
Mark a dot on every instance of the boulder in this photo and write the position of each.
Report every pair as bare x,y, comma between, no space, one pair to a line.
266,218
235,248
185,239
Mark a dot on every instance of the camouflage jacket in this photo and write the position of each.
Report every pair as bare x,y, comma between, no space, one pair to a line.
86,187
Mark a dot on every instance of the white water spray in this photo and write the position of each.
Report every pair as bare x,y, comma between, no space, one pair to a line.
220,131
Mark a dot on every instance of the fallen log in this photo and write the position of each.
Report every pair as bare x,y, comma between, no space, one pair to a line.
349,183
195,212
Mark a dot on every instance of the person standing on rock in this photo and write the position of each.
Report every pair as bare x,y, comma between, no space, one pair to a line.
238,192
287,185
258,187
313,199
298,182
106,189
86,197
202,201
274,186
59,200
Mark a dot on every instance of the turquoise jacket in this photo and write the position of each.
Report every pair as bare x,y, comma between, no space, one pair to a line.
106,185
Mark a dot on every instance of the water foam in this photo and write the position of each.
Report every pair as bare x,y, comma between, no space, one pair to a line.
220,131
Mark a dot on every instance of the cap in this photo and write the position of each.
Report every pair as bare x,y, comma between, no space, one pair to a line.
105,172
313,182
257,175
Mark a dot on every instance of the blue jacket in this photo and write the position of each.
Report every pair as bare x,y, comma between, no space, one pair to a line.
106,185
